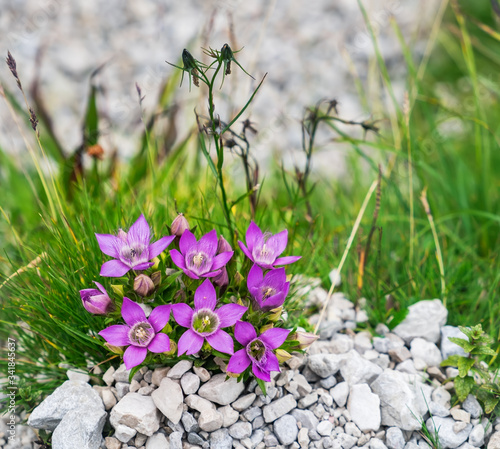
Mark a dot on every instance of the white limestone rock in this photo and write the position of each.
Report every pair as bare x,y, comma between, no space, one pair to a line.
364,407
169,399
426,351
137,412
221,391
424,319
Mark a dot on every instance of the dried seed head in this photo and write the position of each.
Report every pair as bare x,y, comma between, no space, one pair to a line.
33,119
96,151
11,63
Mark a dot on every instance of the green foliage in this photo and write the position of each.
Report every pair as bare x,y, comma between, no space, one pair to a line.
473,375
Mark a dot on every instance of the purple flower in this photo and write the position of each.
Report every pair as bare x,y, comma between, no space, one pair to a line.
131,250
205,323
264,248
269,291
257,350
222,279
199,259
140,334
96,301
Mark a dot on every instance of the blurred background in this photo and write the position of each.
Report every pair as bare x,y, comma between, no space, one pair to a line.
309,52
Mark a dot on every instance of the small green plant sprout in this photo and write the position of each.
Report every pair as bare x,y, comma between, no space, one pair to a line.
430,436
473,375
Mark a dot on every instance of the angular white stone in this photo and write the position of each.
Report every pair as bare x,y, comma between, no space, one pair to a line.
364,407
210,420
71,395
424,319
220,390
190,383
447,435
356,369
196,403
285,429
425,350
179,369
277,409
137,412
169,399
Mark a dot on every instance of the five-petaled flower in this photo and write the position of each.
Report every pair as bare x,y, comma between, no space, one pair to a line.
131,250
96,301
205,322
257,350
198,258
263,249
139,333
269,291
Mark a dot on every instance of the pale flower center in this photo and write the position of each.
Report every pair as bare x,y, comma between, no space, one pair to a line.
131,255
256,350
141,334
267,292
198,259
205,322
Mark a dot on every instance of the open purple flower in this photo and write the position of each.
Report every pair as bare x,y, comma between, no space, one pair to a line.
96,301
263,249
269,291
131,250
205,322
198,258
257,350
140,334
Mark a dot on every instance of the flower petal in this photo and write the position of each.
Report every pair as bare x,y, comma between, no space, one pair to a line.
244,332
221,341
189,343
139,232
272,363
100,287
279,242
114,269
159,317
221,259
190,274
274,337
255,277
261,374
143,266
159,246
245,250
275,278
134,356
286,260
209,243
272,302
187,241
230,313
178,258
253,234
239,362
116,335
205,296
183,314
211,274
132,312
109,244
160,343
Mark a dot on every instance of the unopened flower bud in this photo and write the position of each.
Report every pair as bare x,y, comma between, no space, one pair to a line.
230,374
143,285
305,339
223,245
96,301
275,314
156,278
227,57
190,66
180,296
173,348
283,355
221,280
114,349
266,328
179,225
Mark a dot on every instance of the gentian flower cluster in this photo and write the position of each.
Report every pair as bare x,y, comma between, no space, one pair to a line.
214,313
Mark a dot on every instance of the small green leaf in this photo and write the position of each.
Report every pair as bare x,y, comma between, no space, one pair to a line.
463,386
483,350
468,347
464,365
490,402
262,385
452,360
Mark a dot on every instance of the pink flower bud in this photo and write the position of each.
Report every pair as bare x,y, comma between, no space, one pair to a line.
96,301
305,339
179,225
143,285
223,245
